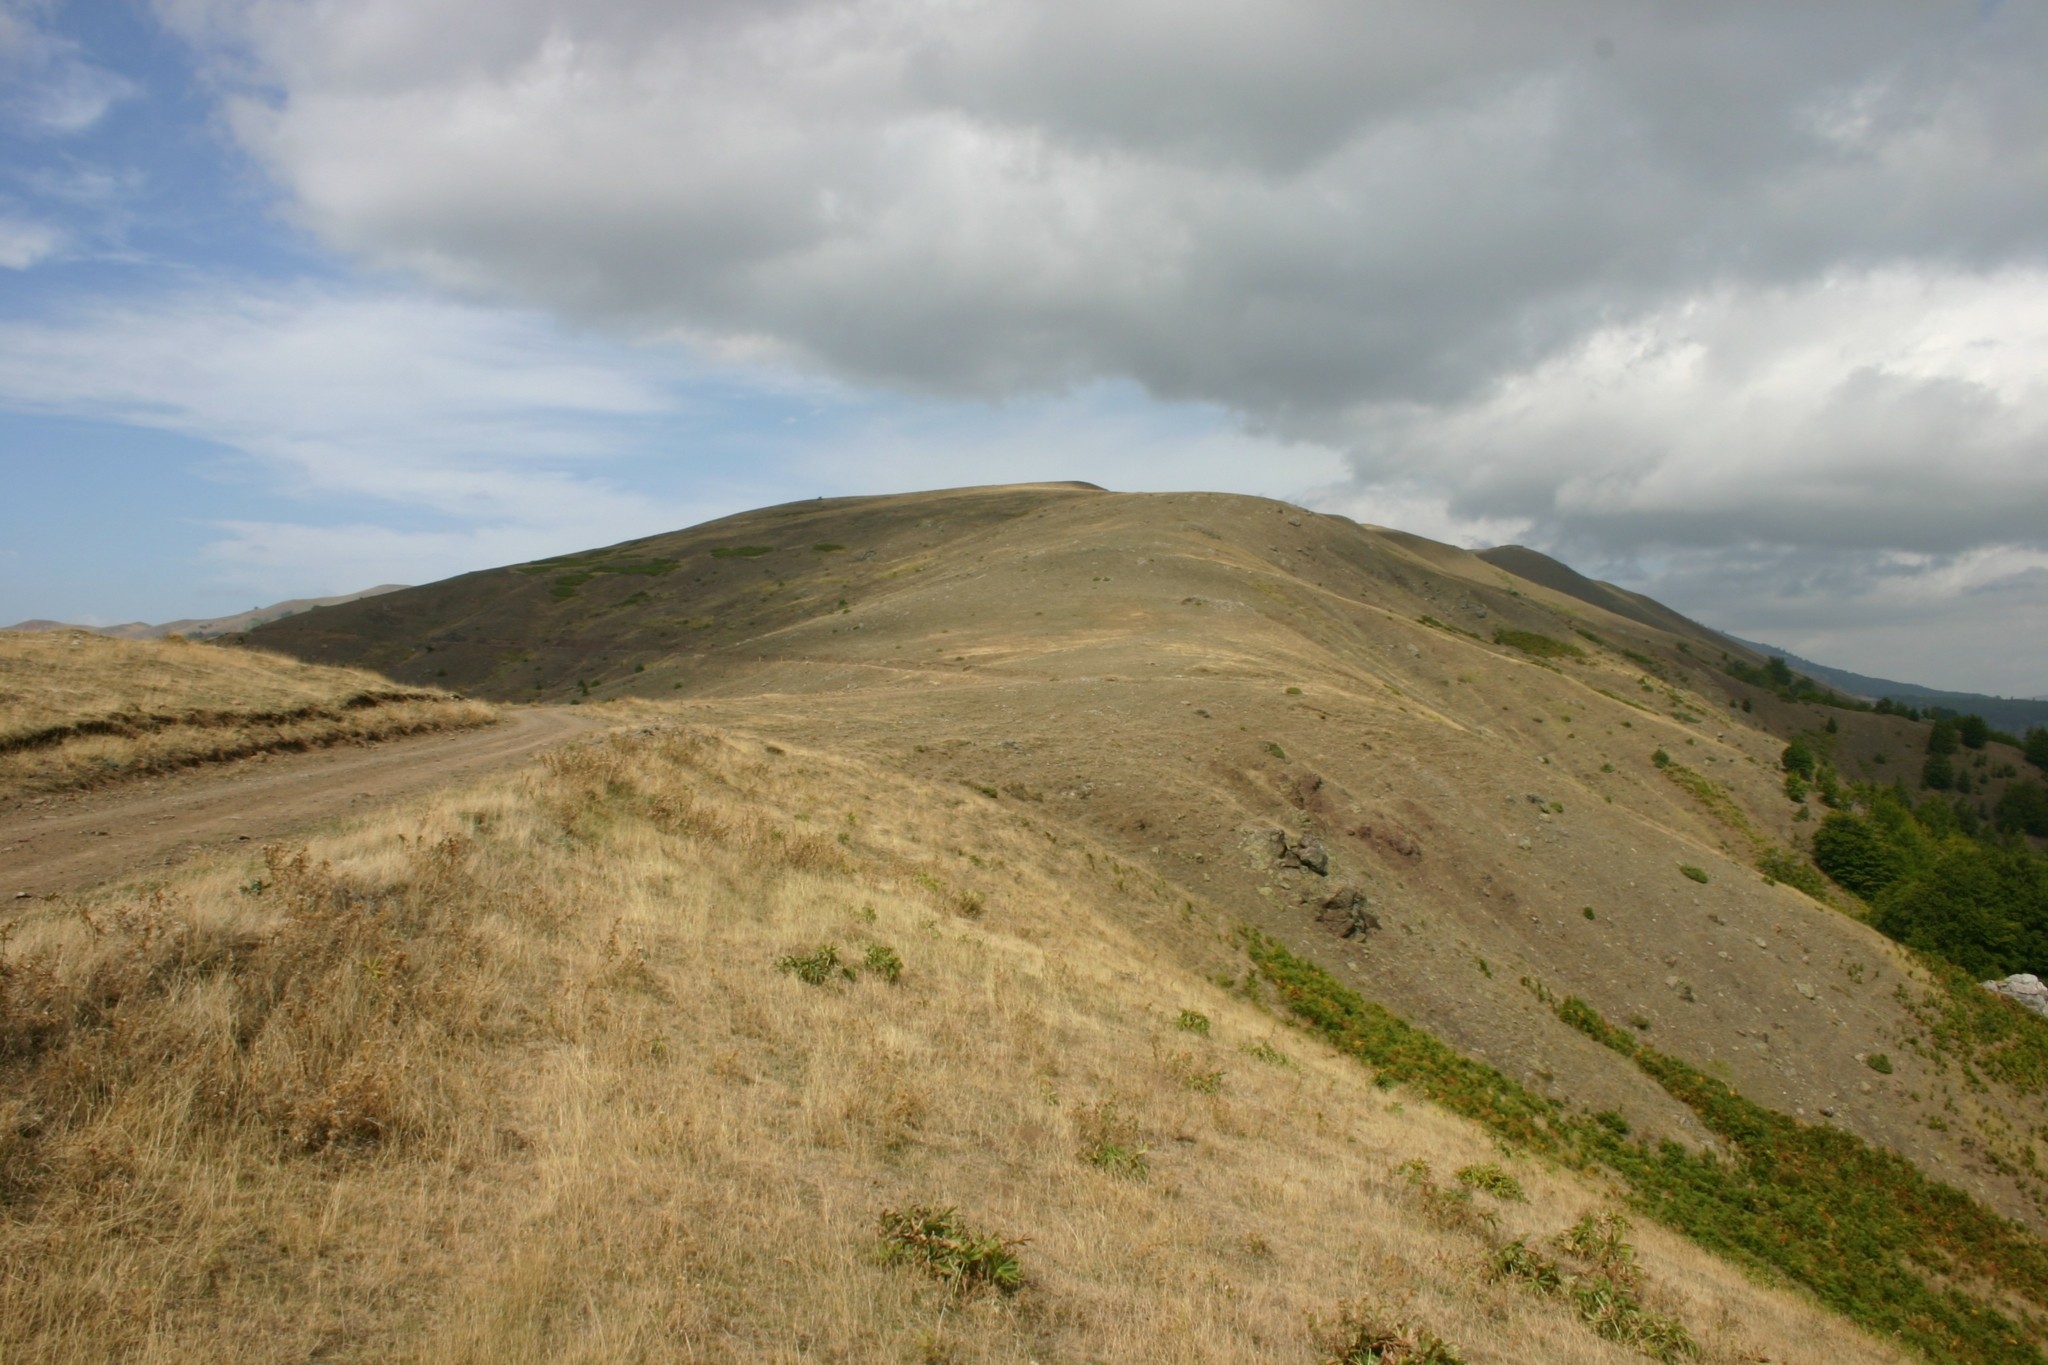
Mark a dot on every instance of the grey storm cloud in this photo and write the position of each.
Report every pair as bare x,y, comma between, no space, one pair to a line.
1625,274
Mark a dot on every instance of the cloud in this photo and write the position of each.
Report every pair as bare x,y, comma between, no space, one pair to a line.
24,244
468,412
1728,285
1885,410
1286,209
51,88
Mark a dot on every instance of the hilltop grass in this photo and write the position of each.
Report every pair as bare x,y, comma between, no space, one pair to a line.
1860,1228
78,710
513,1075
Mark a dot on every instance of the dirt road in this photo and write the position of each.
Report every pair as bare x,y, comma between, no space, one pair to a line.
62,843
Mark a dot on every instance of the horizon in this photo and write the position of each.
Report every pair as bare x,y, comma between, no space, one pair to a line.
1746,310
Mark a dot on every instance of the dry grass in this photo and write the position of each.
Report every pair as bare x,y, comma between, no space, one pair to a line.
515,1076
78,709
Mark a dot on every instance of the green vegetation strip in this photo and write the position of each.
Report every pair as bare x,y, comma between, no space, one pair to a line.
1538,646
1859,1227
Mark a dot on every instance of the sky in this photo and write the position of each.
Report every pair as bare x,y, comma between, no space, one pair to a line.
1742,305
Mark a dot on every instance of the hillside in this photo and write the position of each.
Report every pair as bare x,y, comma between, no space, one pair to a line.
196,628
655,1052
1507,796
79,709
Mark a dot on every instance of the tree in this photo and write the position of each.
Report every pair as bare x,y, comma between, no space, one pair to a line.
1942,738
1779,672
1985,909
1858,854
2037,747
1973,731
1798,758
1939,772
2024,809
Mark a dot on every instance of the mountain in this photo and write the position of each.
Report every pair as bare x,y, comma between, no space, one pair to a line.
194,628
2015,715
1513,788
1537,567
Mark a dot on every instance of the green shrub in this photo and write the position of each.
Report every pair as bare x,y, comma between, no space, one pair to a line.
1798,758
1861,1228
1661,759
884,962
1698,874
1538,646
1367,1333
1493,1180
1453,1209
2023,808
1193,1021
1862,855
938,1243
1879,1063
1597,1274
1782,865
816,967
1109,1141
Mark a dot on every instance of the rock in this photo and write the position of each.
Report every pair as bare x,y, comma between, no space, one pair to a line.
1344,913
1806,989
1276,843
2025,988
1312,855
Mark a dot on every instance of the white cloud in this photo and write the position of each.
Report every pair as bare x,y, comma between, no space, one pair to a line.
473,413
24,244
1886,410
50,87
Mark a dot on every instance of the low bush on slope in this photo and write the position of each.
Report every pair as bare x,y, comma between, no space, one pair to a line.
1859,1227
516,1075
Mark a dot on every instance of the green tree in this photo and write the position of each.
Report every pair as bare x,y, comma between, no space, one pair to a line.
1983,908
1938,773
2024,809
1859,853
1779,672
1798,758
1973,731
2037,747
1942,738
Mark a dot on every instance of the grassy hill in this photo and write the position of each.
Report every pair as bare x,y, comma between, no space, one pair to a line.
687,1044
79,709
1554,835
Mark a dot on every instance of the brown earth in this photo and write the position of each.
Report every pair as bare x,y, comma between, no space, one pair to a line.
70,841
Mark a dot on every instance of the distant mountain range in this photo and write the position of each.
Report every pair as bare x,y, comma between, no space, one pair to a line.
195,629
2014,714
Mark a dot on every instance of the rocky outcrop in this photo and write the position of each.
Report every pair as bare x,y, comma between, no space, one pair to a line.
2026,988
1305,852
1346,913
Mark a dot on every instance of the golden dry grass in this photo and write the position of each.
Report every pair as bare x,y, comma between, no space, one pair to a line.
513,1076
78,709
